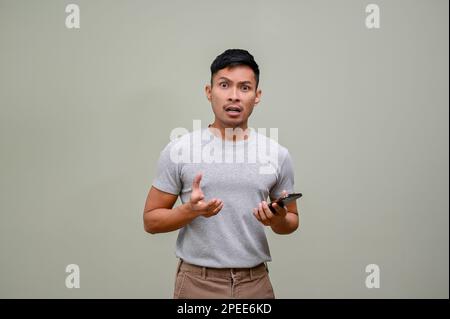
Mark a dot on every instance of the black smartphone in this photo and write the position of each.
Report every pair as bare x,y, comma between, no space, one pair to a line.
282,201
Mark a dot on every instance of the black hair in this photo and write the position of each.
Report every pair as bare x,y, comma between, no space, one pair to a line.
234,57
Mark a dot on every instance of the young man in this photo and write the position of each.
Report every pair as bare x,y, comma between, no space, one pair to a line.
223,185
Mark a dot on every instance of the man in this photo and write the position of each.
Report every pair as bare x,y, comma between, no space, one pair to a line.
222,245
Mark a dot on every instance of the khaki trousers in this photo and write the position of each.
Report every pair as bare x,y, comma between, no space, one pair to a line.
196,282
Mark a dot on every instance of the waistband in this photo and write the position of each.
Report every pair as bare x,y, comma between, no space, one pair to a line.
225,273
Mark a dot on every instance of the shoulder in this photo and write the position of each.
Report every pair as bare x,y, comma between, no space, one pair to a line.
273,144
181,141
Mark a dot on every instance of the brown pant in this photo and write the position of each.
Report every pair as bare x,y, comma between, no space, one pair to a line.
196,282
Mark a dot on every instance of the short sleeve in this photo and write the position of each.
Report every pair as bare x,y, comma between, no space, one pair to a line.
167,177
285,177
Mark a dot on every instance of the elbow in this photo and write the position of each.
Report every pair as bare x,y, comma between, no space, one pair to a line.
288,229
296,226
150,230
149,224
296,222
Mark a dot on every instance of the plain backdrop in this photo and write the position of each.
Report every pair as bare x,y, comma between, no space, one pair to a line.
84,114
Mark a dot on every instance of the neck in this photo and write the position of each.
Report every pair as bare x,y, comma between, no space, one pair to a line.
237,133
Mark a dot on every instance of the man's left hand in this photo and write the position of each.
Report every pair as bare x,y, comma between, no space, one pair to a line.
265,215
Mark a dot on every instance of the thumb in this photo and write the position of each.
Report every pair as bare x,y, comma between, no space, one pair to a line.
197,194
196,182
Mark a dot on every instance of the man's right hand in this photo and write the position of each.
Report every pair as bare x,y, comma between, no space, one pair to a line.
198,205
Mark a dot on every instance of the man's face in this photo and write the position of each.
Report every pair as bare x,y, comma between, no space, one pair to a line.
233,95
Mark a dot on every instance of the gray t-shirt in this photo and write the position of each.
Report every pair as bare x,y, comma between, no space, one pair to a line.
241,174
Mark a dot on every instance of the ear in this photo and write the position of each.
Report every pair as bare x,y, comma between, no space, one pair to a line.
258,96
208,92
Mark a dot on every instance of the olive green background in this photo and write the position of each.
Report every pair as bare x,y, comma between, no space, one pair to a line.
84,114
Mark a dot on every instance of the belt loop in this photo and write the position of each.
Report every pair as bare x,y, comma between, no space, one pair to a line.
267,267
251,273
180,261
204,273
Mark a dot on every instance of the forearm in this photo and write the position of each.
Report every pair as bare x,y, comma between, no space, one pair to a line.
286,226
163,220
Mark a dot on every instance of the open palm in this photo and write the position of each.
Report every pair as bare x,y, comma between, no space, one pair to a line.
197,202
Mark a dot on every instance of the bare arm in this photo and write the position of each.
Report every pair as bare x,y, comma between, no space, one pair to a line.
160,217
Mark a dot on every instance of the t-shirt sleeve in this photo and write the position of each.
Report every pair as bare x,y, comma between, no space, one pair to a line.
167,177
285,177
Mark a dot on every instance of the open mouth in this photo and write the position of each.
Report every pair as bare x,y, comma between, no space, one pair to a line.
233,110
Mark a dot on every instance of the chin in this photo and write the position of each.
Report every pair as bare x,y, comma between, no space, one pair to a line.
233,124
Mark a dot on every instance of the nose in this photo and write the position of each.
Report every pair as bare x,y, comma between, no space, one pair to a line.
234,95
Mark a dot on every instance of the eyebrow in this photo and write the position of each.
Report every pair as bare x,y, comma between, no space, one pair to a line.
226,79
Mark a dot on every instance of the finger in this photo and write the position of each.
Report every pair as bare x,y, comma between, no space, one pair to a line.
213,203
280,210
255,213
197,194
196,182
217,204
262,215
218,209
267,211
214,210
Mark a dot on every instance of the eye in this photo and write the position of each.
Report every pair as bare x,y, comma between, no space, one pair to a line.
223,85
245,88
